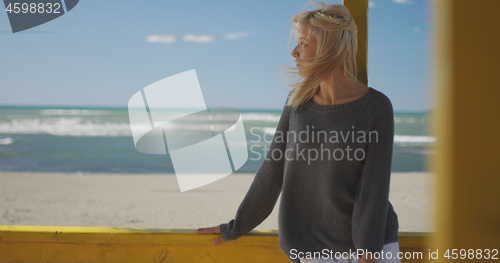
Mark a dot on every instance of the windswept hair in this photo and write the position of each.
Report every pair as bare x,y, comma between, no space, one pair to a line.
337,45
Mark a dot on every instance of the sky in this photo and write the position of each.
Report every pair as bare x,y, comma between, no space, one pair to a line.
101,53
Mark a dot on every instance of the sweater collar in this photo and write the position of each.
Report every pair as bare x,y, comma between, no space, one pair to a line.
340,107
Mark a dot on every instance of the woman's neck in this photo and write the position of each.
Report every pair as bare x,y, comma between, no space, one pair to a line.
343,91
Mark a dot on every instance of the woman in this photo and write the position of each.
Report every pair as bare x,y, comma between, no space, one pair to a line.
330,157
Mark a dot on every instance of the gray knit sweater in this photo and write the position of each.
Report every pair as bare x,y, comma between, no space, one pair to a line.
332,166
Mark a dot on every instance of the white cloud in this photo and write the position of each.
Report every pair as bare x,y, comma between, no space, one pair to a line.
371,4
403,1
416,29
160,39
198,39
236,35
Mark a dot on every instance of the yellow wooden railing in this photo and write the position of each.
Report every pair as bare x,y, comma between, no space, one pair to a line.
100,244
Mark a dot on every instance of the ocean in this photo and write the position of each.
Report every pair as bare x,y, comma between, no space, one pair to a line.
99,140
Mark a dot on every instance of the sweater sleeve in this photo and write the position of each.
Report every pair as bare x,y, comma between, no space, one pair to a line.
264,190
371,202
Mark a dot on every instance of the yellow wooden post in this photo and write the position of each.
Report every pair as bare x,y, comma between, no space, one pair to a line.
467,125
359,11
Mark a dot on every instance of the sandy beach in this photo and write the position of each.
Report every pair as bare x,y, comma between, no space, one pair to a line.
155,201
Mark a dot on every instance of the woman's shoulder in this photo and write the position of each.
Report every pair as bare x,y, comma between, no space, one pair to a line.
378,107
380,101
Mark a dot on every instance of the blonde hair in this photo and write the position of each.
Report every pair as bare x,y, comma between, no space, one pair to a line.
337,45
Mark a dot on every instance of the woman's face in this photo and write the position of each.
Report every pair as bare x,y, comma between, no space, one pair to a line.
304,51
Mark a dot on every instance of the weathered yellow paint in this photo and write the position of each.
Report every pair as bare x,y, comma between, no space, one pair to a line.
95,244
359,11
99,244
467,124
413,242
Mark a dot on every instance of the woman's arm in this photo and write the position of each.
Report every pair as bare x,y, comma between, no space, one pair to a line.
264,190
372,198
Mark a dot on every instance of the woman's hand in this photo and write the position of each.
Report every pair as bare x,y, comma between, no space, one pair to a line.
211,230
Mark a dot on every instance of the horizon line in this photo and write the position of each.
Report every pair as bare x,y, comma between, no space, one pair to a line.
126,108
